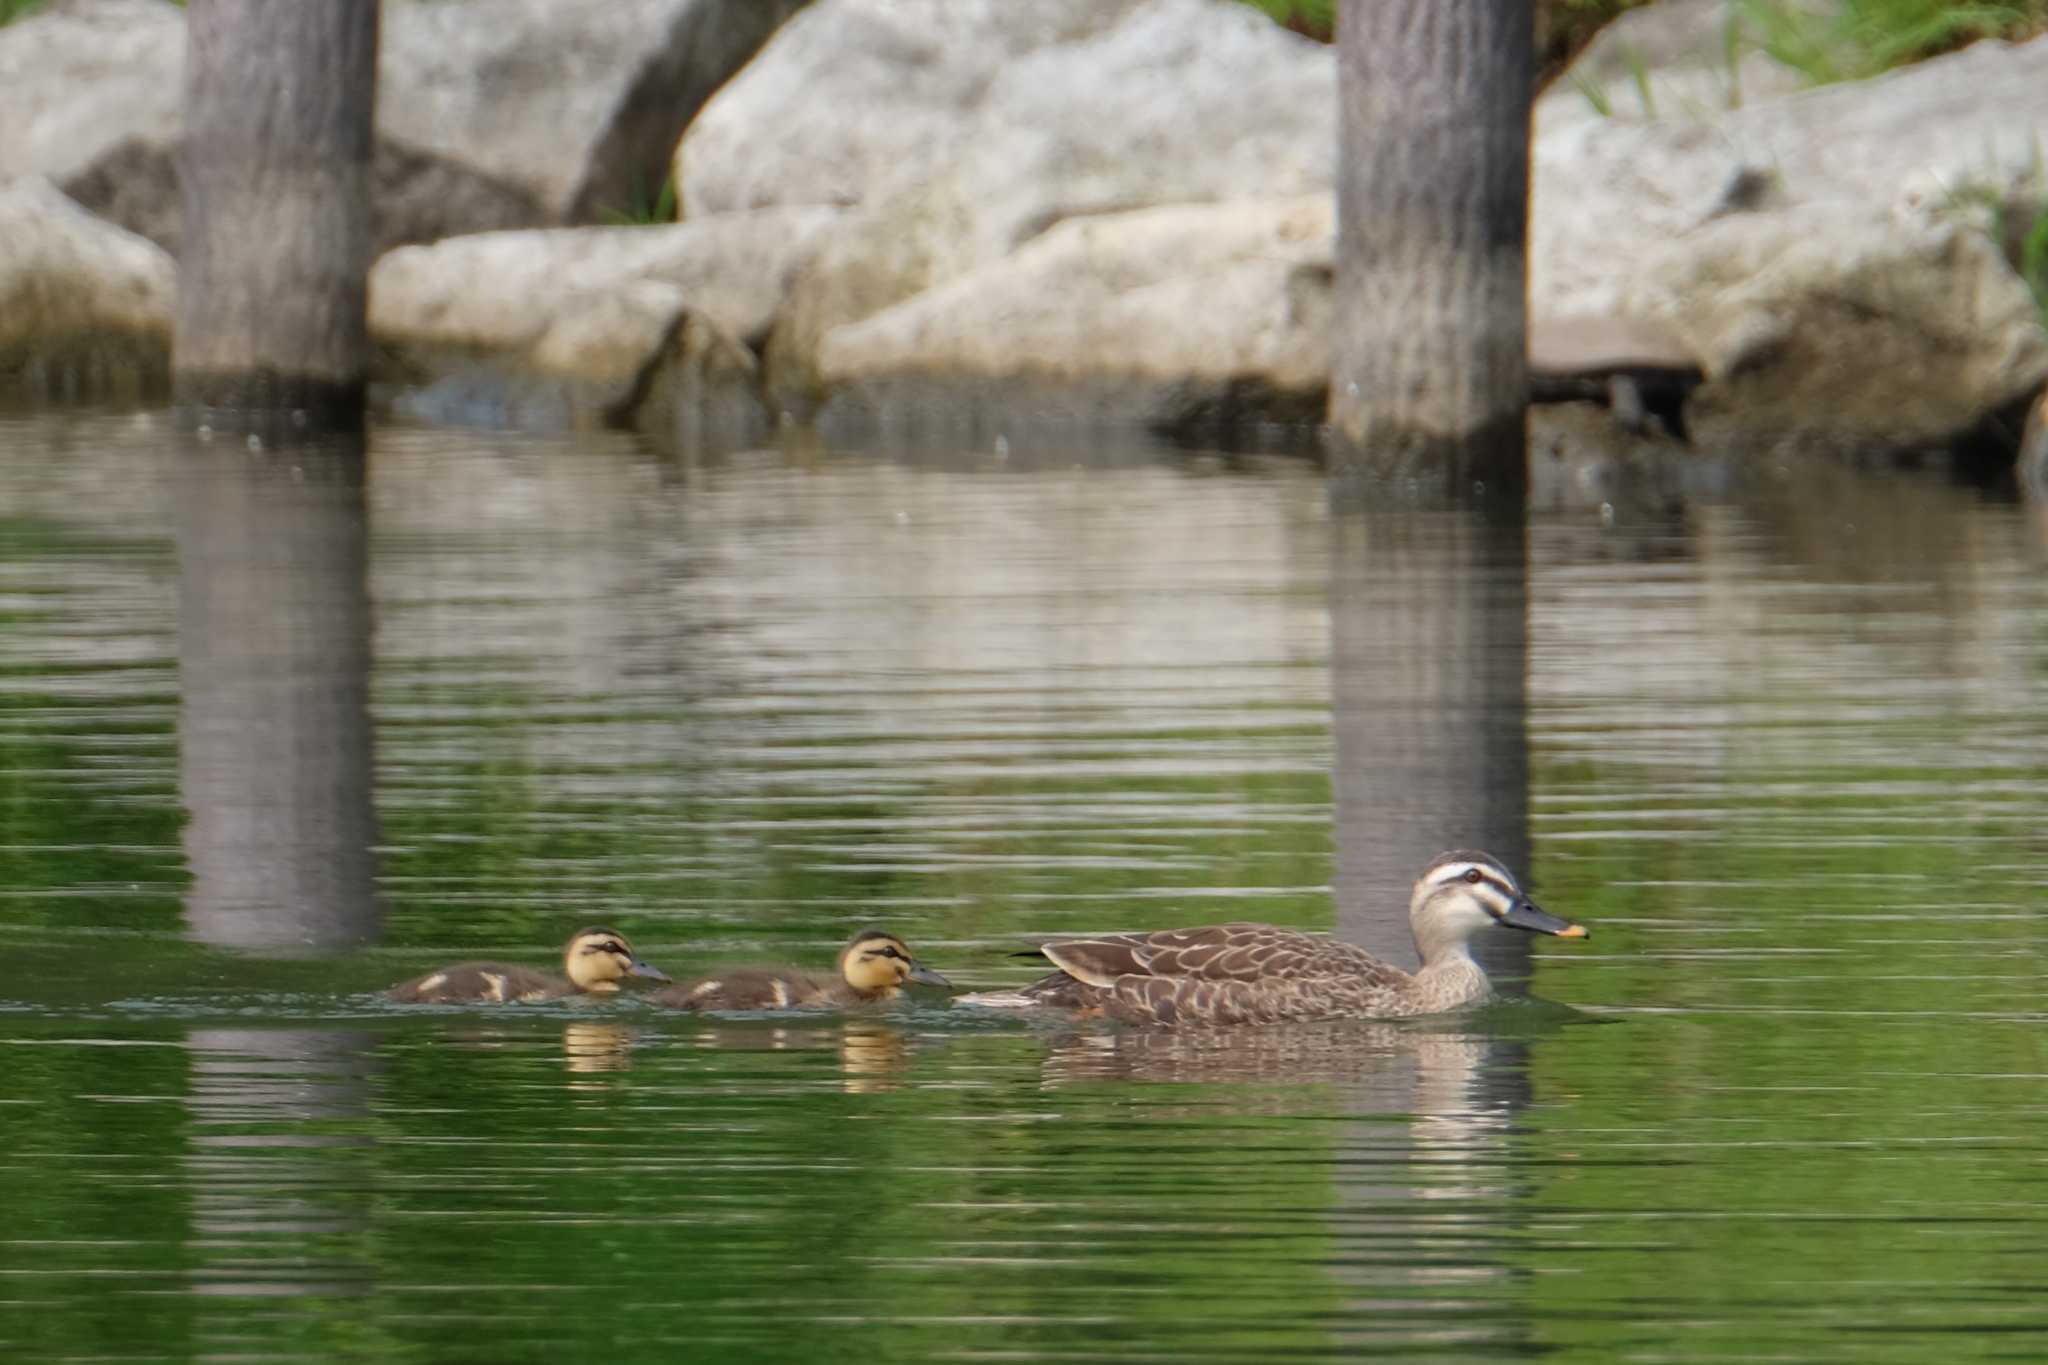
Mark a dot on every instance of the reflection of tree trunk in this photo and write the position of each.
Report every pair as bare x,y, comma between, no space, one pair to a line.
1429,664
270,1177
1429,661
274,722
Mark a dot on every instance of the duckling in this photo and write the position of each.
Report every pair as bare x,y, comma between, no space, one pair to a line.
873,966
594,961
1258,973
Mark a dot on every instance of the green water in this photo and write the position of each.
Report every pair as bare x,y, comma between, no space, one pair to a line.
1785,752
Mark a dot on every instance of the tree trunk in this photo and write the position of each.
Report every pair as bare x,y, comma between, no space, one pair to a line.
1428,342
272,289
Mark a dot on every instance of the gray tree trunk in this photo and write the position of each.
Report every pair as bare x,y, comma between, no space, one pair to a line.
272,287
1428,339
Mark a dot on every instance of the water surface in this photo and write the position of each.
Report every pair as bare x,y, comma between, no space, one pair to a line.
272,737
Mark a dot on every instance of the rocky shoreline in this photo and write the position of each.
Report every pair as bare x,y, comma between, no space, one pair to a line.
1078,212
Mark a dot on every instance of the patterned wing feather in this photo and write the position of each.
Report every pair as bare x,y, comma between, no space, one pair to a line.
1221,973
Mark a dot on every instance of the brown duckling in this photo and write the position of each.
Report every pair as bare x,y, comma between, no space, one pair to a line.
594,962
873,966
1260,973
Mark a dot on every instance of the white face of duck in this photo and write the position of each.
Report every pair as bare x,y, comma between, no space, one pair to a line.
598,959
1462,892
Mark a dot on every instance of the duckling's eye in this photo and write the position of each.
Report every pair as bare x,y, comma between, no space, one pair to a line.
614,947
890,952
1472,875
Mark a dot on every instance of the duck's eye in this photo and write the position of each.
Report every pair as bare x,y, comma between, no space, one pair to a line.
890,952
614,946
1472,875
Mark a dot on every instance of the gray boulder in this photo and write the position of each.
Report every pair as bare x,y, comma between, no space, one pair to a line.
491,113
962,131
1823,253
1185,317
85,308
581,326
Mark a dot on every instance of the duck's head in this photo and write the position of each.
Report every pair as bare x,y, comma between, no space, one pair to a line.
876,962
1464,891
598,959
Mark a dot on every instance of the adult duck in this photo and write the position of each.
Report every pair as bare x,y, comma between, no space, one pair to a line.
1259,973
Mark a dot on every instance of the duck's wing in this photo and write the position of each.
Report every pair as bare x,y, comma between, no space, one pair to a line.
482,983
748,988
1223,973
1213,952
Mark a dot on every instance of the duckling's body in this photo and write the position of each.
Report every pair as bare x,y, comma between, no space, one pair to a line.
594,962
1247,973
873,966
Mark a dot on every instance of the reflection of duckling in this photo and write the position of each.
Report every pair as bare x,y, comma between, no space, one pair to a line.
873,966
589,1046
1258,973
594,961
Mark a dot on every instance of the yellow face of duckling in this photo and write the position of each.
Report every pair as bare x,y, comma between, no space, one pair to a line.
598,959
877,964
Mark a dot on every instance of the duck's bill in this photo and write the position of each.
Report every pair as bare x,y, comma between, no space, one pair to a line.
925,976
648,970
1525,915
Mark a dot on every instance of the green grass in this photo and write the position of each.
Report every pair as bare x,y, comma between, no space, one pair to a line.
1866,37
10,10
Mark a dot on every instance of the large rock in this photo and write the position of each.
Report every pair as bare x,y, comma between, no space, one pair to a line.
964,130
91,97
577,103
579,326
85,308
1822,253
491,113
1188,317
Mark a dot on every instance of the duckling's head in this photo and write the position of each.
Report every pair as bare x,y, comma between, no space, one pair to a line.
875,962
597,959
1464,891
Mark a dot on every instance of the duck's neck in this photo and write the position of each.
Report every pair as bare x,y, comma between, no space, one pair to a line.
1449,978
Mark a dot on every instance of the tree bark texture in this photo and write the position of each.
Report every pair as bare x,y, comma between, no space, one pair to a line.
272,296
1428,341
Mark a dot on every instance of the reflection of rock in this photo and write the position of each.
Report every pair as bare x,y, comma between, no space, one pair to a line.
85,308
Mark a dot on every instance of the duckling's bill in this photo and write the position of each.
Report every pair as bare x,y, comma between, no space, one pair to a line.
925,976
1528,915
641,967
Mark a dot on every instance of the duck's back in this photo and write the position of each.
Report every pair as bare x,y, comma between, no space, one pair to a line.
1221,973
497,982
755,988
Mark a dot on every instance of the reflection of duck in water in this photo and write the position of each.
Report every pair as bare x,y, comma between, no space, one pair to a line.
1259,973
874,965
594,962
